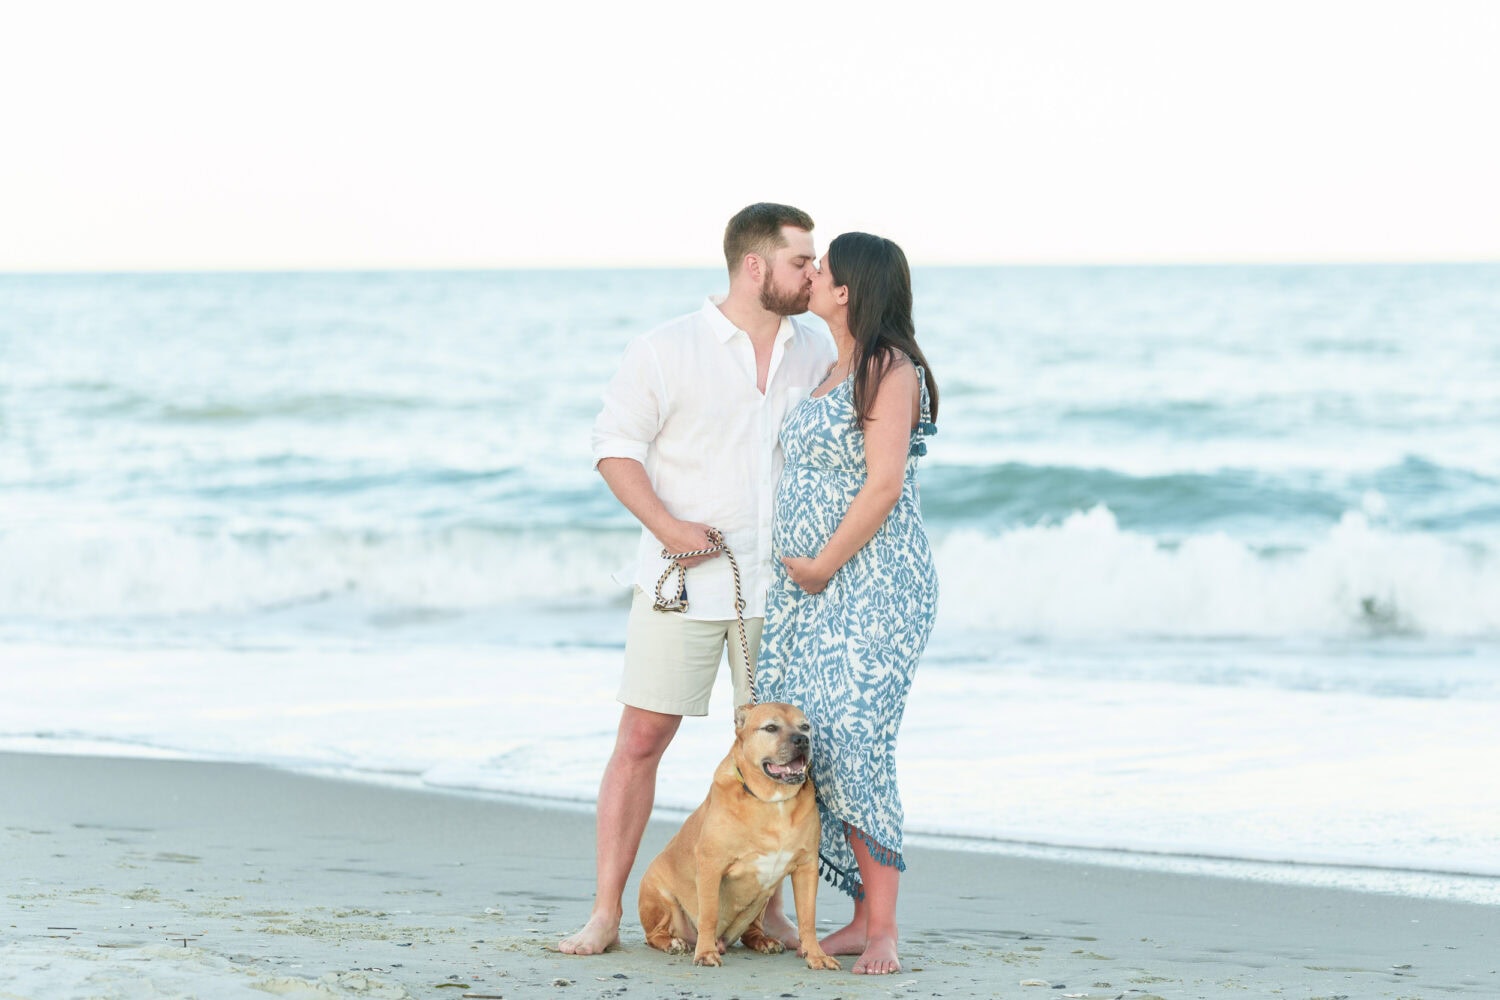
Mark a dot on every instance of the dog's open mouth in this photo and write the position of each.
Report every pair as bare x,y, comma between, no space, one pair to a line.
793,772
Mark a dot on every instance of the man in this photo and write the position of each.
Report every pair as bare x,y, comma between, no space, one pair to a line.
688,440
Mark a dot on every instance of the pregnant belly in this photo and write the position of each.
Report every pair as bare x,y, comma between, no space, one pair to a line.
807,514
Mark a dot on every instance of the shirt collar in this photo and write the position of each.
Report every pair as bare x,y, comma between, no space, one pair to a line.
724,330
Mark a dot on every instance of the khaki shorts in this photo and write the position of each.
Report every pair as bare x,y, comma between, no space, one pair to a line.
671,661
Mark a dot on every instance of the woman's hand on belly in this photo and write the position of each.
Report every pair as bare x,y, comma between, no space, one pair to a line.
806,573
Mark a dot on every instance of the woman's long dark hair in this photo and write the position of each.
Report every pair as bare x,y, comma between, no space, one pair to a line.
879,282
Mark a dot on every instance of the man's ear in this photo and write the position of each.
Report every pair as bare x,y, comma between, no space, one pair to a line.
755,266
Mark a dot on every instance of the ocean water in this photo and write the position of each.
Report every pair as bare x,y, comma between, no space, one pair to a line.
1219,547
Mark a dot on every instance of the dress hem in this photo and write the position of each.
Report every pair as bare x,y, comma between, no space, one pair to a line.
848,882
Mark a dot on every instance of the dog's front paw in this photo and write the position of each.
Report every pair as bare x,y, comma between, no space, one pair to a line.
708,957
677,946
819,961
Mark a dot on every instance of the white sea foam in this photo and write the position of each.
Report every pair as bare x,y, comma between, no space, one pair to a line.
127,569
1087,577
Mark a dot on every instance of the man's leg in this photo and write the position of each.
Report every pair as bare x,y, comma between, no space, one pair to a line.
625,798
775,923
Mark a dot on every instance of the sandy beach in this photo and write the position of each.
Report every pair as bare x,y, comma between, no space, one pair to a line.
160,878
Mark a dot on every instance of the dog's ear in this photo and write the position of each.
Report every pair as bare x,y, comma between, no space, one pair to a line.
742,713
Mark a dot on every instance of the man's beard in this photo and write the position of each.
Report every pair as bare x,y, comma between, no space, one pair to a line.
774,300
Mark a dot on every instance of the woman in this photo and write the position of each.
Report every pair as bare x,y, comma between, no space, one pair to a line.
853,599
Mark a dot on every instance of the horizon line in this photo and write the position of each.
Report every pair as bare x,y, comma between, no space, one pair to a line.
1059,263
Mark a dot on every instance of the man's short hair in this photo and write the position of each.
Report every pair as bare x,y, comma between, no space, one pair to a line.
757,229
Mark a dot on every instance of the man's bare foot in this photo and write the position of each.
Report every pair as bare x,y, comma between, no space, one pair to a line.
879,959
848,940
596,937
777,926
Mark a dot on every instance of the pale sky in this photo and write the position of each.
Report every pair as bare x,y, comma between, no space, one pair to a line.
213,135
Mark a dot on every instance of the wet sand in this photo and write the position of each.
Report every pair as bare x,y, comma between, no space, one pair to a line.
154,878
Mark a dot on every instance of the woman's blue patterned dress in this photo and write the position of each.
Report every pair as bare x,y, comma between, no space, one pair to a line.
846,656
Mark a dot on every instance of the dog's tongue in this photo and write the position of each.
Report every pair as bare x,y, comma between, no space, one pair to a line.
785,770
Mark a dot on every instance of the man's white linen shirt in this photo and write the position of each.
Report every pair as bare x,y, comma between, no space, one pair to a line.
685,404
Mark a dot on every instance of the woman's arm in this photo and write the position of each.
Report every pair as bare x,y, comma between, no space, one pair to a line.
887,444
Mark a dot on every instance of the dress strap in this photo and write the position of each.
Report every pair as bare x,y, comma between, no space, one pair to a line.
925,427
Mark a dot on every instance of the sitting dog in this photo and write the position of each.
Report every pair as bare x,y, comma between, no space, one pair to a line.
710,884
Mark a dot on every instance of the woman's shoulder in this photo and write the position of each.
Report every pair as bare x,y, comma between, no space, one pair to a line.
893,360
897,364
898,376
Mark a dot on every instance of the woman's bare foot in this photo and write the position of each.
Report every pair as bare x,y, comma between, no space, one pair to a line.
596,937
879,959
848,940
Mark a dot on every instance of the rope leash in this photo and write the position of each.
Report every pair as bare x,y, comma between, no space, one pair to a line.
678,602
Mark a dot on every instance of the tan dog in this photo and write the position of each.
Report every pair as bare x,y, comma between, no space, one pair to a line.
710,884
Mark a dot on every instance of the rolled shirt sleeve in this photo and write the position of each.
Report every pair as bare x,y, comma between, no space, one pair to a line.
635,406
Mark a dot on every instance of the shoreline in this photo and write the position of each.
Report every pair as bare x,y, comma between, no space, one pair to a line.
134,875
1174,769
1450,885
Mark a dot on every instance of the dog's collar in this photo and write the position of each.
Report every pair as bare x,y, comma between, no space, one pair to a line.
744,784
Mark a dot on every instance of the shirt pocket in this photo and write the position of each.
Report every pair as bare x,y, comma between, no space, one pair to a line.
791,399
